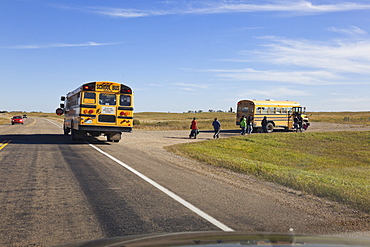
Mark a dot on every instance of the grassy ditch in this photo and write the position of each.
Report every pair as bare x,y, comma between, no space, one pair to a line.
334,165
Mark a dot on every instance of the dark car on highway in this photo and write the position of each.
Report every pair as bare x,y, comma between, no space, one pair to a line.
17,119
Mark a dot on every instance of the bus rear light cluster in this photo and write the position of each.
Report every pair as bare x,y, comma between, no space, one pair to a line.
88,111
89,86
122,113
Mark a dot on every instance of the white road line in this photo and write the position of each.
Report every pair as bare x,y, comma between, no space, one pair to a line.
53,123
164,190
169,193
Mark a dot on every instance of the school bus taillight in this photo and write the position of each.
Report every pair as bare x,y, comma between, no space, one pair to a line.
122,113
89,86
88,111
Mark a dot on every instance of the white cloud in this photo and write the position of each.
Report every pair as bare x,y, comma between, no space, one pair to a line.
353,100
270,93
293,77
127,13
339,56
292,7
351,31
281,6
191,86
304,62
57,45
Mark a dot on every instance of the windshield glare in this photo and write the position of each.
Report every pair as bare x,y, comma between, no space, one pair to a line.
107,99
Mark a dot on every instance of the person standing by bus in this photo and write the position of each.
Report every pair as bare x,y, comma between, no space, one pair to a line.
243,125
194,129
216,127
300,122
249,124
264,125
295,123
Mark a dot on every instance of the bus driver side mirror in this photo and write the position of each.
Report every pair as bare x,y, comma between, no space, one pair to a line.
62,98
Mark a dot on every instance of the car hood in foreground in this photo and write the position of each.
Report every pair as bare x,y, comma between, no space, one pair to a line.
222,239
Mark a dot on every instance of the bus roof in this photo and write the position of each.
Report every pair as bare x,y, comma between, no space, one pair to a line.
272,102
81,88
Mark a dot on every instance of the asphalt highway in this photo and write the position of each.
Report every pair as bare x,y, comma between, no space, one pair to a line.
54,190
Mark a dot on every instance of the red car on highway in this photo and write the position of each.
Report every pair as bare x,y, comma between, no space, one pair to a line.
17,119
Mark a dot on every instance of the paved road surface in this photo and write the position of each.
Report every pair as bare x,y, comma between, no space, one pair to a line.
53,191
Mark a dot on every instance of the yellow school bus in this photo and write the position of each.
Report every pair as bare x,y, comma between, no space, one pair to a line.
280,114
97,108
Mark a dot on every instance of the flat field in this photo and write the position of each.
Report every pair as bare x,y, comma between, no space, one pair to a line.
181,121
361,118
334,165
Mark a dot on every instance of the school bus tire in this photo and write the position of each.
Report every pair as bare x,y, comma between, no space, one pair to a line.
77,135
66,131
73,135
270,127
113,137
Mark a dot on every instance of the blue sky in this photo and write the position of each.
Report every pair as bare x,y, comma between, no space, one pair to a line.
187,55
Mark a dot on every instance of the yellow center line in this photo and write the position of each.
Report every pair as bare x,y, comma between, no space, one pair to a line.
34,121
4,143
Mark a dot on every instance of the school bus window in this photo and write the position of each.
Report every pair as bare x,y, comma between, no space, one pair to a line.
264,110
73,100
89,98
107,99
245,110
125,100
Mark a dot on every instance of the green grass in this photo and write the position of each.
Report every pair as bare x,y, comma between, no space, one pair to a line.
334,165
362,118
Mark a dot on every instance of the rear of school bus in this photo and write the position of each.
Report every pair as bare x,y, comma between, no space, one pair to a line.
101,108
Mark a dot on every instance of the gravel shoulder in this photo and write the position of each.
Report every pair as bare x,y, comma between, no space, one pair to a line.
345,221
